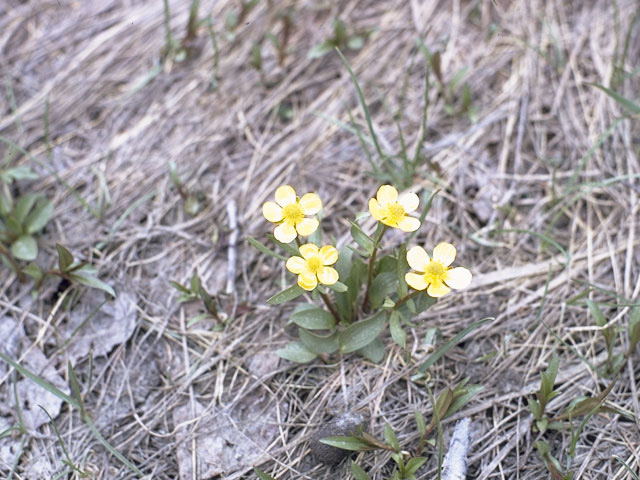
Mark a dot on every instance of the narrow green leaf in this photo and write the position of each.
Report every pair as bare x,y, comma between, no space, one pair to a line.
21,173
383,285
319,343
338,287
358,335
39,216
23,206
65,258
420,422
402,267
351,443
290,248
313,318
634,327
397,333
363,240
390,437
414,464
597,314
462,400
630,105
264,249
373,351
358,473
286,295
435,356
33,270
180,287
261,475
75,387
25,248
296,352
91,281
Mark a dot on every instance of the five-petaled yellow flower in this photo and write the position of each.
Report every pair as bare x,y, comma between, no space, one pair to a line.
392,210
434,273
313,266
289,212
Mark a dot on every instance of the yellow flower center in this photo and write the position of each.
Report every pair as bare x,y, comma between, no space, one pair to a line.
292,214
314,264
435,272
394,213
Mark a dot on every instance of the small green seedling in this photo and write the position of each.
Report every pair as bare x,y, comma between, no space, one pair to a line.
544,395
342,39
194,202
195,291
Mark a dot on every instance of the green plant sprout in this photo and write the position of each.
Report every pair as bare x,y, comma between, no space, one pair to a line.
407,463
353,321
195,291
342,39
194,202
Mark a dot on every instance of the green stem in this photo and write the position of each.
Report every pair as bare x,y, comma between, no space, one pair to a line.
372,262
407,298
327,301
4,251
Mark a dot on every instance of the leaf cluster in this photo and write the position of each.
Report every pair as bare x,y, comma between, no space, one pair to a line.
194,291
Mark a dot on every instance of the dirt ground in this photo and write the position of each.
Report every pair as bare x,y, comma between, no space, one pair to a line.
539,183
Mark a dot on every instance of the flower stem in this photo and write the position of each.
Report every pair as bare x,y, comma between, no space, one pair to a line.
407,298
372,262
327,301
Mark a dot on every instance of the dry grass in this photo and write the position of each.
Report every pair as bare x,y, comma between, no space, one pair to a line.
158,394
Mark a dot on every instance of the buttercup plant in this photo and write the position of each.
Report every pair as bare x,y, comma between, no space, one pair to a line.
397,286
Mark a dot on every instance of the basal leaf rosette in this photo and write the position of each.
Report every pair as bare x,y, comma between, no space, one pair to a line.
291,212
313,266
392,209
435,273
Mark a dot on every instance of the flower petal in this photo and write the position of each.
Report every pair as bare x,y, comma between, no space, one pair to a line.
308,250
409,224
376,210
327,275
310,203
409,201
416,281
445,253
307,226
272,212
387,195
308,281
458,277
328,255
438,290
418,258
285,195
285,233
296,264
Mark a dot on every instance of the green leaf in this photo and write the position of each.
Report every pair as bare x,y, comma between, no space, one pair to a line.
91,281
360,334
351,443
402,267
549,378
180,288
296,352
23,206
290,248
6,204
320,50
374,351
261,475
414,464
39,216
25,248
65,258
634,327
363,240
319,343
435,356
264,249
286,295
597,314
358,473
33,271
420,422
75,386
397,333
20,173
338,287
390,437
313,318
355,42
630,105
383,285
461,400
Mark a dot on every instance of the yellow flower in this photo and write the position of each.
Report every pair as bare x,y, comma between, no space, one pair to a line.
392,210
434,273
313,266
289,213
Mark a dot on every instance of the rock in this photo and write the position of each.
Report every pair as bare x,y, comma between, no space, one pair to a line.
345,424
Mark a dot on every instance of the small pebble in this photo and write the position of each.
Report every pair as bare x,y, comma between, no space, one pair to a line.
343,425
